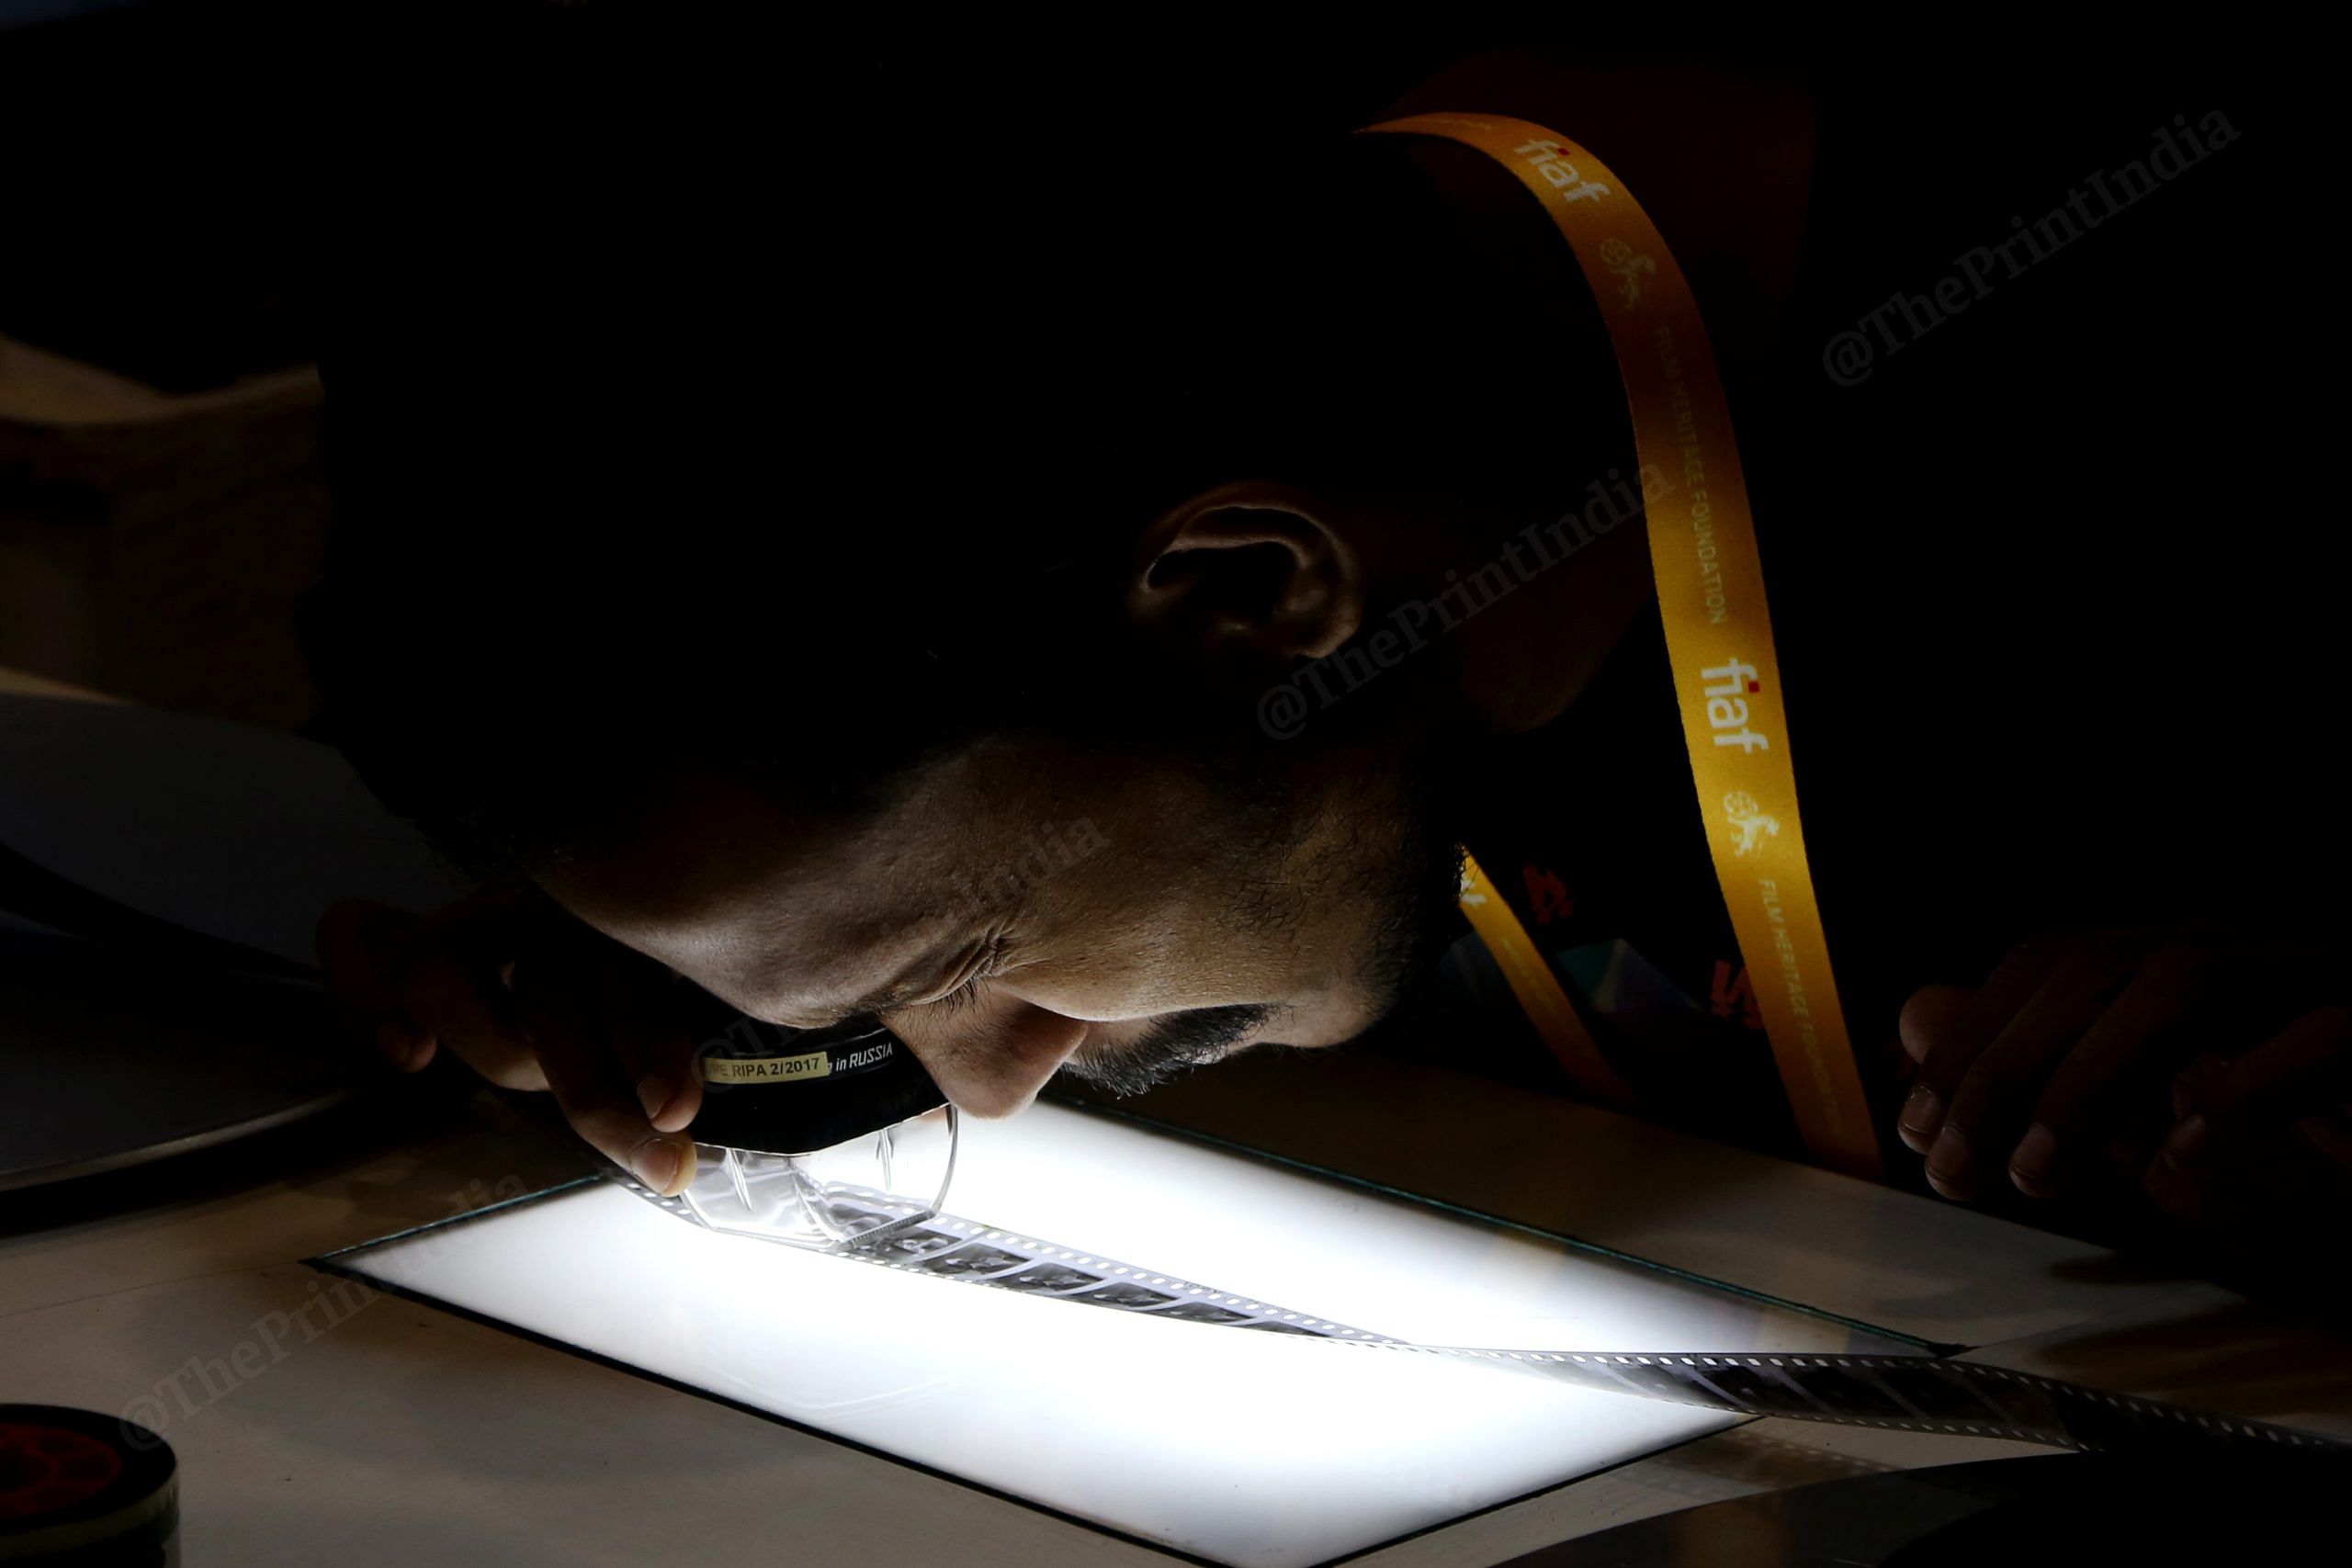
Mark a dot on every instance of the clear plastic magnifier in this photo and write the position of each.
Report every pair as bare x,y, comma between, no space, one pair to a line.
857,1190
818,1138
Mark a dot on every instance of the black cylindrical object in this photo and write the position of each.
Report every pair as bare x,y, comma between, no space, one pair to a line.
796,1092
80,1490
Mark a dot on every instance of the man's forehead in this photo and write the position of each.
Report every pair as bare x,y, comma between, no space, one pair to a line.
814,951
722,885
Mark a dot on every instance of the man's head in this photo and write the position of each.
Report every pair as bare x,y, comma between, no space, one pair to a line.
1025,902
855,590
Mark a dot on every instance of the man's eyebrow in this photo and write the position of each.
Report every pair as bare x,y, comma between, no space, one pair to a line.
910,983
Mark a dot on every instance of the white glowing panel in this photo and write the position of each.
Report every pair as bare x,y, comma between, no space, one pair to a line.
1245,1448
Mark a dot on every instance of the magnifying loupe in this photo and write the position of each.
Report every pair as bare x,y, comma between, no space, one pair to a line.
818,1138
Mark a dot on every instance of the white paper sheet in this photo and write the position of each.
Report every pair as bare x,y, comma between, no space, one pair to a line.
233,831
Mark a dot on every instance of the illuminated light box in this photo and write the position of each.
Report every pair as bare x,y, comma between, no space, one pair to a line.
1258,1449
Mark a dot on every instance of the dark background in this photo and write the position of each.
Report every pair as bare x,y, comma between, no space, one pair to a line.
2069,527
2056,587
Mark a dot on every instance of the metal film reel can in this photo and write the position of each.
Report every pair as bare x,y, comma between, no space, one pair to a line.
80,1490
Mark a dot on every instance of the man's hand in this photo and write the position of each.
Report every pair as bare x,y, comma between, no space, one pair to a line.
2176,1056
2264,1140
532,999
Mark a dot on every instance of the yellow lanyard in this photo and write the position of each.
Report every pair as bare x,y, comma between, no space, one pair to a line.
1718,641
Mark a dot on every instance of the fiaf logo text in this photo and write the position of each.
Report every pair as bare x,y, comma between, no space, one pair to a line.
1550,160
1727,707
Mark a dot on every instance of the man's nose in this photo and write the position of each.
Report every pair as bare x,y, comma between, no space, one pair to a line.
992,1055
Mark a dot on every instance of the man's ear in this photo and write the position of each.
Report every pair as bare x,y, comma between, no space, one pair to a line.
1249,569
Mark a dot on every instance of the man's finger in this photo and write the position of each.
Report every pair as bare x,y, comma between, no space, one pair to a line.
555,997
469,1011
1989,1105
364,949
1932,1013
2305,1070
651,1042
2329,1134
2168,993
2267,1191
1968,1031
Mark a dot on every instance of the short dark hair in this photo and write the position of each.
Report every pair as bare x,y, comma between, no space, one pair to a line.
670,422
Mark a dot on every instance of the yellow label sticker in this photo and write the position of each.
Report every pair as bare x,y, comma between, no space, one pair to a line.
764,1069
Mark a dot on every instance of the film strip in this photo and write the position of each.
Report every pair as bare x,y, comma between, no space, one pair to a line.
947,1247
1912,1394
